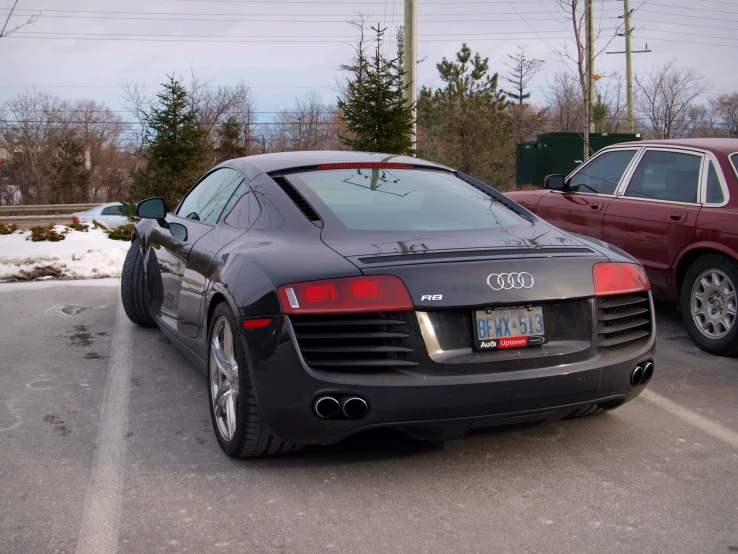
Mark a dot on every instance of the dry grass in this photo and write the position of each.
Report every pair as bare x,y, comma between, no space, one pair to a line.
511,187
123,232
8,228
79,226
45,232
37,273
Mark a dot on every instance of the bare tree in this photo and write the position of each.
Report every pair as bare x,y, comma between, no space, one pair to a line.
7,32
138,103
564,98
725,114
308,125
665,95
573,11
34,126
610,109
53,142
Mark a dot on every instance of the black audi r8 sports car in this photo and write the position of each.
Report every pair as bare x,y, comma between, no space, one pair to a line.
324,293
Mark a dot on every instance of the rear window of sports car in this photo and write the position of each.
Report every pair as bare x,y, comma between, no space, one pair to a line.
401,200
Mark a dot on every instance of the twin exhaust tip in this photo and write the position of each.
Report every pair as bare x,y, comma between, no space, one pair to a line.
641,374
351,407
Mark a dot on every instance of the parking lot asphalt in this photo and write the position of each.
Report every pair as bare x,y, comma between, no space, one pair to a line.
106,446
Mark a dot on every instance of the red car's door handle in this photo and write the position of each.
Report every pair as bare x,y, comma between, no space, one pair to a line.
595,206
677,216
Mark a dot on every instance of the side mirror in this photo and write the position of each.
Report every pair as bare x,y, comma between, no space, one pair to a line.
152,208
554,182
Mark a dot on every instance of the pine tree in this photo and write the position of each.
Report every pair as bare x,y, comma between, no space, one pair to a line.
466,121
176,149
522,70
70,179
230,144
376,115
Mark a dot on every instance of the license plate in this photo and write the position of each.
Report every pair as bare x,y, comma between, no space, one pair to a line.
511,327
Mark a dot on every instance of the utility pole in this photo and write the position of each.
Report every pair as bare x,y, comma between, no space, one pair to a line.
411,61
628,34
589,78
629,67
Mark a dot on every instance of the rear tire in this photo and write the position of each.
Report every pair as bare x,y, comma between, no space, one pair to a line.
133,288
710,285
247,436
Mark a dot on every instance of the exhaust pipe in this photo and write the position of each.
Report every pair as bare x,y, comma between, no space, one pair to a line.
636,378
355,408
647,372
326,407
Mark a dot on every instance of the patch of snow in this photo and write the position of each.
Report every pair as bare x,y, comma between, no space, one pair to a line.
81,255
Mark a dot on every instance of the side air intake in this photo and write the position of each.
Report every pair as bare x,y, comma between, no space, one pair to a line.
299,200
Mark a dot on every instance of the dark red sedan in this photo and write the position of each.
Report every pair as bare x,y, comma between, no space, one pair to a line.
673,204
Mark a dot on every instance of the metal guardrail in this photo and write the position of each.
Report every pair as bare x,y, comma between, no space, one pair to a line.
26,221
44,209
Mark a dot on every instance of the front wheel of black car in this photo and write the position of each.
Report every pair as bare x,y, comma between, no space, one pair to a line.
709,304
237,421
133,288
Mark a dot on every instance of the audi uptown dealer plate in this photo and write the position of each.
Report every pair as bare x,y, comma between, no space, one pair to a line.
509,327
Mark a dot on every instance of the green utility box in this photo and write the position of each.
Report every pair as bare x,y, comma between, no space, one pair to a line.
559,153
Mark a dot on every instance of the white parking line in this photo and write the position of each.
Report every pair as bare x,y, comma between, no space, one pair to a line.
694,419
100,527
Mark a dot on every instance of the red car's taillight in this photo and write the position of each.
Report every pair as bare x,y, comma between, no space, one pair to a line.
379,293
619,278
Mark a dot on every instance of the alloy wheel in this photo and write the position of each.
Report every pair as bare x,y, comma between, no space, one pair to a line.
223,378
714,304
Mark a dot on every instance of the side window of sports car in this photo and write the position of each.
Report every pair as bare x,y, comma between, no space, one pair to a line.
242,209
206,201
665,175
602,175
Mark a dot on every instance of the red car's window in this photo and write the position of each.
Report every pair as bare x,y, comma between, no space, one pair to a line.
602,175
714,190
669,176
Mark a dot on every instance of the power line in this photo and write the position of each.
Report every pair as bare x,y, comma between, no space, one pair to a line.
688,8
687,24
260,41
312,14
344,37
209,17
690,16
692,42
155,86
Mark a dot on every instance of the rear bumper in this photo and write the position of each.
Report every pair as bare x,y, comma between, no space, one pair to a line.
433,407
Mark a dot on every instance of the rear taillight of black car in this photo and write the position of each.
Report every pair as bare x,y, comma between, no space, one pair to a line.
348,295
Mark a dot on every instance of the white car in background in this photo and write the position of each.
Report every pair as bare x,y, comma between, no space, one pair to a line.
110,215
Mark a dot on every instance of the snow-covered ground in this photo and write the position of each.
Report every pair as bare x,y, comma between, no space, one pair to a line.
90,255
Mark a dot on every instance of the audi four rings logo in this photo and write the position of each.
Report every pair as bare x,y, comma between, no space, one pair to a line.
509,281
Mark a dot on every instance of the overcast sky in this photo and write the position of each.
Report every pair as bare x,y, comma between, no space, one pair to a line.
85,48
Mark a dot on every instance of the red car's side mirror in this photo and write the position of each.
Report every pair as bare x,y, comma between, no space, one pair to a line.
554,182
